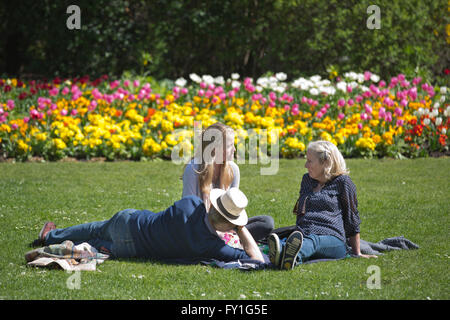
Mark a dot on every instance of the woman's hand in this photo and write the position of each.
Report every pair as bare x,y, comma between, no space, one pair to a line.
367,256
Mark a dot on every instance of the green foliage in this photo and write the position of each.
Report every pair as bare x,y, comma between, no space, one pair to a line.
169,39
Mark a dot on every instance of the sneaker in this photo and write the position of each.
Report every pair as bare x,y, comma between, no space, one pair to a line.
291,249
274,249
48,226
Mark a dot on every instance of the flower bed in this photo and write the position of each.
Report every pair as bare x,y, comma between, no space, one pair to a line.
134,119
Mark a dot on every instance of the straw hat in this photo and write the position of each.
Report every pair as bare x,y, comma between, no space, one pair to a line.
231,205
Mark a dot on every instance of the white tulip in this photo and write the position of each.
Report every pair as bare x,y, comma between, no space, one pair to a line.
315,78
442,99
444,131
434,113
281,76
438,121
235,76
374,78
208,79
180,82
314,91
235,84
443,90
436,105
194,77
219,80
426,121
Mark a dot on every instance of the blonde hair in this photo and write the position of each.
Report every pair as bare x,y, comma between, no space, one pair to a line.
206,167
331,157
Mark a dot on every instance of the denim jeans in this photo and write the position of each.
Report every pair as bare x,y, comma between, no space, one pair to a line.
319,247
113,235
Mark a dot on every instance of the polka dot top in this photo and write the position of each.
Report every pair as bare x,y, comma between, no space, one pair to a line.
333,210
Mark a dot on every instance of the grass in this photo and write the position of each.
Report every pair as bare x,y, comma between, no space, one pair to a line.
396,197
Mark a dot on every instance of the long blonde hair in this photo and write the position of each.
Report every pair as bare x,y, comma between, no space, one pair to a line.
207,163
329,155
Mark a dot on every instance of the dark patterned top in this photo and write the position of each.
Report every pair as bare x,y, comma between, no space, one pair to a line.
331,211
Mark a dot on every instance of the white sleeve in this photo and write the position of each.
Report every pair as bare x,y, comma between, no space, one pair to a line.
237,175
190,182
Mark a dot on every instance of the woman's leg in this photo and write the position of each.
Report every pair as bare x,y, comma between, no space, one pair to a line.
260,226
321,247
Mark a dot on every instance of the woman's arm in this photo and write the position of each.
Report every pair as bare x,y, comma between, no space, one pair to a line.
249,244
355,244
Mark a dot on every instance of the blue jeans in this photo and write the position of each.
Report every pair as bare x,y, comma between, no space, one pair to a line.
111,235
319,247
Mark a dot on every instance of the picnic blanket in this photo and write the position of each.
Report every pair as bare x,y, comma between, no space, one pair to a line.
67,256
366,247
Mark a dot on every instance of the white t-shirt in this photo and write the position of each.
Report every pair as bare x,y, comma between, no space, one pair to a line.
191,184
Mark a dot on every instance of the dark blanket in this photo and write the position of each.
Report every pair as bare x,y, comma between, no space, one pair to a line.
366,247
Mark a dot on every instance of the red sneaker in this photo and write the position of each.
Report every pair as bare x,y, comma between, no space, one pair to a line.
48,226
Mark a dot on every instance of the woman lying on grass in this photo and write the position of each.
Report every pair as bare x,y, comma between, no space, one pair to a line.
327,212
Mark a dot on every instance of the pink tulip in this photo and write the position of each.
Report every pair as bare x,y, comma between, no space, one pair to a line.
203,85
416,81
360,126
287,107
201,92
382,84
295,111
74,112
53,92
350,102
14,126
398,112
368,108
304,99
63,112
26,119
263,100
10,104
381,113
319,115
341,102
184,91
341,116
388,117
231,94
399,122
272,104
367,75
272,96
136,83
349,89
126,83
359,99
222,96
65,91
114,84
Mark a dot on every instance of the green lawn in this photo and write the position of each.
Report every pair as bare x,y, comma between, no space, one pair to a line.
396,197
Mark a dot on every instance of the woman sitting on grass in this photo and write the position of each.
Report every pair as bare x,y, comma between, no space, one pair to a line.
327,212
220,171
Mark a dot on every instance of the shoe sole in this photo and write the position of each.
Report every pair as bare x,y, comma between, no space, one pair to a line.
274,249
291,250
